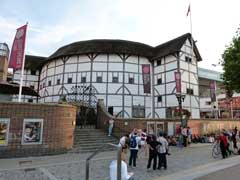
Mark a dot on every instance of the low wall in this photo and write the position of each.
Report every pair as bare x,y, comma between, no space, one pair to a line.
29,129
169,126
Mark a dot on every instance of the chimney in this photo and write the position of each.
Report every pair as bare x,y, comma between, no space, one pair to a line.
4,53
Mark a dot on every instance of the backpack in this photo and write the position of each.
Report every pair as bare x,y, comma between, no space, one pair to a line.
133,142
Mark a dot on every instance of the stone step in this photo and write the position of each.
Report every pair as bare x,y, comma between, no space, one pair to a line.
96,142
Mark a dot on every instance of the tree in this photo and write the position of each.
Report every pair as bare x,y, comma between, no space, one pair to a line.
231,65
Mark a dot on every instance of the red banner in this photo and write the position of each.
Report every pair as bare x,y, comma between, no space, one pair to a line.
212,92
146,78
18,47
178,82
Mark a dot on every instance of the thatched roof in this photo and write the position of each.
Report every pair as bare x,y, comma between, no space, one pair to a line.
113,46
34,62
175,45
104,46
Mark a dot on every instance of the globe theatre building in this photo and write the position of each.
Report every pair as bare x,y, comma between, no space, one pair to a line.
112,70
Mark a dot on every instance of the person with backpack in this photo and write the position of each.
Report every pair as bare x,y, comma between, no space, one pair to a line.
162,151
133,146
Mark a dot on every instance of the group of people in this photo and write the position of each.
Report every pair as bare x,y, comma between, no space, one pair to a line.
228,142
140,143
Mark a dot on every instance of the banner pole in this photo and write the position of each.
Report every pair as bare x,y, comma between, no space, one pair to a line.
22,71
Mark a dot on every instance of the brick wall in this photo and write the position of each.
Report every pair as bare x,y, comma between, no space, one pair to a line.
58,128
198,126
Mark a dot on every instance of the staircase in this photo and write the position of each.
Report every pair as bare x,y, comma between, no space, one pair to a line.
90,139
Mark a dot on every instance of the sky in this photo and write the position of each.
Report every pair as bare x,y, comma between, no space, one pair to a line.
55,23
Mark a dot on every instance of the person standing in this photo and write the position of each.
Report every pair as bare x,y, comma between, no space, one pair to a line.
133,146
234,138
144,141
185,136
162,151
223,145
124,141
153,152
110,128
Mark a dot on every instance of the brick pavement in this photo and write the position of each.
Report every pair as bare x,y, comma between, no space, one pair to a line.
72,166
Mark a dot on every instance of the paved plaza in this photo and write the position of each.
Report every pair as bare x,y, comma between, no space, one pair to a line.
71,166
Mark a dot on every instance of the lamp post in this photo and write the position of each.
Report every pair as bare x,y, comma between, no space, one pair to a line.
180,97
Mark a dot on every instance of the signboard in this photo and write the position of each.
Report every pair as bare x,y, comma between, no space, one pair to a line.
146,78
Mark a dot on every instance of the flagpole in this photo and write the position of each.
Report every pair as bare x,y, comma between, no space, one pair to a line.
22,71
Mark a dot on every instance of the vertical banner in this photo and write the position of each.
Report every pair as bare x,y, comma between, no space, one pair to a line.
212,92
146,78
178,82
18,47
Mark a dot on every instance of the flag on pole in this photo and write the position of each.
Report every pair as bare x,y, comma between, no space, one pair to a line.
18,47
189,9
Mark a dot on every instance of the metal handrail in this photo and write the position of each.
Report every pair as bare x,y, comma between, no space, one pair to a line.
119,151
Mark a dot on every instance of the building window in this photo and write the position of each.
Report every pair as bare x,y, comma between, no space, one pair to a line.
83,79
30,100
131,80
188,59
138,111
58,81
4,131
115,79
159,98
33,72
159,62
32,131
49,83
69,80
99,79
189,91
159,81
44,85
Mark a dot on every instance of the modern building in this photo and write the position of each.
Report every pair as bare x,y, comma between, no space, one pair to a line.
133,79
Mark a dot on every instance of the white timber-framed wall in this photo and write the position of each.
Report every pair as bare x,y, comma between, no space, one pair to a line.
117,76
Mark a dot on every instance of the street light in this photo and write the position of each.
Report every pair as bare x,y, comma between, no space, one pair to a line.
180,97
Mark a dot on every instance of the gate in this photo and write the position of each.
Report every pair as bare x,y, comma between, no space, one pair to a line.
84,97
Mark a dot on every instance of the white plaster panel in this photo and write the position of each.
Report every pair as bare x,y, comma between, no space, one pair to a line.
138,100
158,69
59,62
99,66
71,68
148,102
84,59
132,59
170,58
131,67
128,112
203,102
193,79
132,88
59,69
50,72
56,98
185,76
148,113
184,65
193,68
72,59
115,67
186,100
115,100
194,102
101,58
195,114
170,76
48,99
161,113
51,64
143,60
128,100
171,129
171,100
114,58
101,87
172,65
84,67
113,87
160,89
170,88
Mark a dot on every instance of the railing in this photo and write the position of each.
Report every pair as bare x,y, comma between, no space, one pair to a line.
119,163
